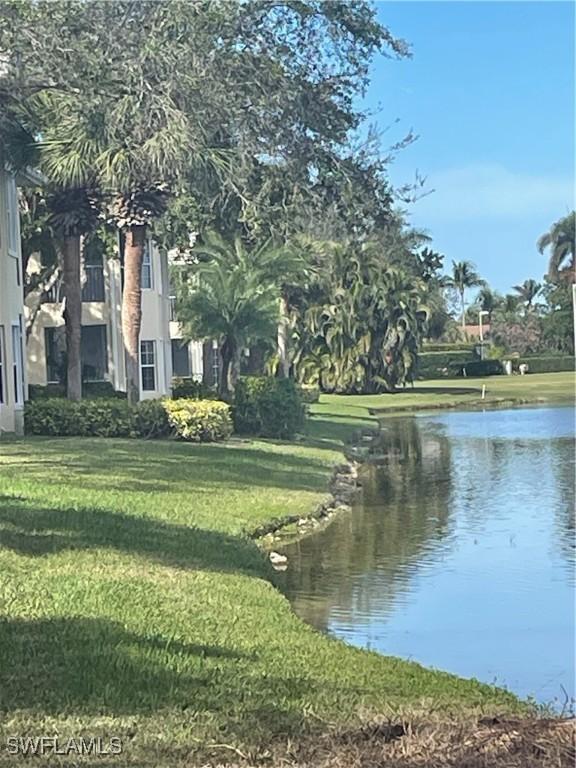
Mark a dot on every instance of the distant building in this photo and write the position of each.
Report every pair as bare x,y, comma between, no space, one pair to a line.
13,384
472,332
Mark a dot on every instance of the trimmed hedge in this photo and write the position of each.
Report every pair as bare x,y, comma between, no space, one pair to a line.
58,417
434,365
267,407
546,363
196,420
438,346
200,421
481,368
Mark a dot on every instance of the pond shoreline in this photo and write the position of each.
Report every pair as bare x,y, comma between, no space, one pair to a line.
341,493
323,557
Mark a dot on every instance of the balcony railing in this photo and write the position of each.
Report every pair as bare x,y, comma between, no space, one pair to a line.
54,294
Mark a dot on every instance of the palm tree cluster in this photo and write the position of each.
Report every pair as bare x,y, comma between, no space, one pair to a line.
337,314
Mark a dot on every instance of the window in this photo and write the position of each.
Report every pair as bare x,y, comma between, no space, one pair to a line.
17,365
93,288
12,211
180,358
147,266
94,353
55,345
148,365
2,396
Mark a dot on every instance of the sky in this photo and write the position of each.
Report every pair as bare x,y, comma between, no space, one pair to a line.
489,91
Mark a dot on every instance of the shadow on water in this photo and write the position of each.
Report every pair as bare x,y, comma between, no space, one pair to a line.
384,545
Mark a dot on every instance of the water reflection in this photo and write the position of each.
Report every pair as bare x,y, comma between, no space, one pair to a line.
461,555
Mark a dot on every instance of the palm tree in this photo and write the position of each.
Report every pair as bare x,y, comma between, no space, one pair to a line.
560,241
488,300
528,291
229,296
464,275
73,214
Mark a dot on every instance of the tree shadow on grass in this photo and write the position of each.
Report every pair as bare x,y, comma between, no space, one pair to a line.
29,530
95,667
167,463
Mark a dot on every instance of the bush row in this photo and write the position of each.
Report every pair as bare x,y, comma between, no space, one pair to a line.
438,346
481,368
267,407
434,365
193,420
546,363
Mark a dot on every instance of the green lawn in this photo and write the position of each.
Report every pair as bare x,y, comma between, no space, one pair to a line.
135,604
336,414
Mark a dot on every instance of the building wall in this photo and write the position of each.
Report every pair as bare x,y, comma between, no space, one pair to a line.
13,370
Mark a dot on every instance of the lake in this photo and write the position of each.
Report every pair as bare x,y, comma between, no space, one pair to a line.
461,553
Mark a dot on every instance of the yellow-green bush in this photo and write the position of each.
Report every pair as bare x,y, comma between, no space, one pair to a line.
199,421
188,419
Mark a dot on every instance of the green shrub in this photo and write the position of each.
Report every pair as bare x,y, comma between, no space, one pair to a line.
268,407
199,420
150,419
309,394
192,390
96,418
434,365
105,389
438,346
196,420
481,368
546,363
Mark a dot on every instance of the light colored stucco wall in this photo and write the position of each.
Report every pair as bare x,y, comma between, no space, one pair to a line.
11,315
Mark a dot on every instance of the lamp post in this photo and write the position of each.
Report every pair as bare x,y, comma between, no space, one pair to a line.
480,315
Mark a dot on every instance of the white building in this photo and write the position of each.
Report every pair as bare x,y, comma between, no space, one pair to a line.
102,348
13,386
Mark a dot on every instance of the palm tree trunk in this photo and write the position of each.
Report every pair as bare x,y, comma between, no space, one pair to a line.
463,311
73,315
282,340
230,368
135,239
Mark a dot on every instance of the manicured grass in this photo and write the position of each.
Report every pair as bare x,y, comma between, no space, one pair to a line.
134,603
335,415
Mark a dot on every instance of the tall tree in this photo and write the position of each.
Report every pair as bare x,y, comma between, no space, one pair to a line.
464,275
488,300
73,213
528,291
361,330
560,242
207,83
